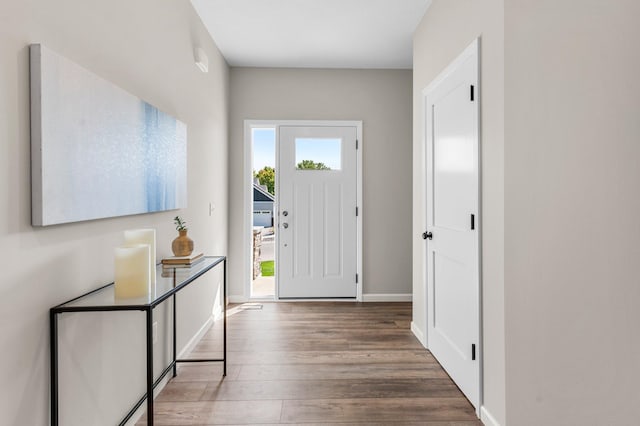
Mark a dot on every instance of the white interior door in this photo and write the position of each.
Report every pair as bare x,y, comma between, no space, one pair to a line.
453,325
317,195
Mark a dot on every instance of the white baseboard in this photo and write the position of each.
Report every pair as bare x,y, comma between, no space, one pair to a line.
486,417
372,297
314,300
217,313
143,408
419,334
188,347
196,337
237,299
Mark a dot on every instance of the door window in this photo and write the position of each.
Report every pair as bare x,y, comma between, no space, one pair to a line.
318,154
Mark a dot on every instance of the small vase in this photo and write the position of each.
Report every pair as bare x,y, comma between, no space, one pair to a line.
182,245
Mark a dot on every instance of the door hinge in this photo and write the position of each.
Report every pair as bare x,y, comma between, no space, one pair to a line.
356,143
356,210
473,352
472,94
356,278
473,222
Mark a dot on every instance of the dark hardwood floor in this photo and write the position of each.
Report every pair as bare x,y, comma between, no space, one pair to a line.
315,363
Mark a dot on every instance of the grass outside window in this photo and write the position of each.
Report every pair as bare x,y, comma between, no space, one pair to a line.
267,268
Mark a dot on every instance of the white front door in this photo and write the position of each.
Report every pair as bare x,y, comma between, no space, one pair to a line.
453,309
317,193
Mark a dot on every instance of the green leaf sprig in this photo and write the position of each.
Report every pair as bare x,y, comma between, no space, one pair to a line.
181,225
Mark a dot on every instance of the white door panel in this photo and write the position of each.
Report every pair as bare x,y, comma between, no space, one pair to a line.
454,159
300,231
453,323
333,236
318,235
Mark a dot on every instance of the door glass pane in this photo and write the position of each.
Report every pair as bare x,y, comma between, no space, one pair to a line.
318,154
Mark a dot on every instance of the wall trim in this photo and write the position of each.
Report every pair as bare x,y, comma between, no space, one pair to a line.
487,418
419,334
237,298
188,347
137,415
371,297
399,297
196,337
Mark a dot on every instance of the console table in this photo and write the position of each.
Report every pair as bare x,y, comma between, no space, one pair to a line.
103,299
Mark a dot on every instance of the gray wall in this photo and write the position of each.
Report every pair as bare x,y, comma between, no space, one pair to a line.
560,167
382,100
446,30
145,47
572,208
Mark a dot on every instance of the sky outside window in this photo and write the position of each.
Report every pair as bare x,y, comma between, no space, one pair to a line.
318,150
325,151
264,148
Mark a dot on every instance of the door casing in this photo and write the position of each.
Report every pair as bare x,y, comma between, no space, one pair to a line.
248,194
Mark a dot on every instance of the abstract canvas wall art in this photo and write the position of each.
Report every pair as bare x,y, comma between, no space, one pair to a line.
98,151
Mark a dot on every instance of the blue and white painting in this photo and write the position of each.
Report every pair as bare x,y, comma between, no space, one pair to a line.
98,151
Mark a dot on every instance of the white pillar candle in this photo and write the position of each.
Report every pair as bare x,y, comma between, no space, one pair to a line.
144,236
132,274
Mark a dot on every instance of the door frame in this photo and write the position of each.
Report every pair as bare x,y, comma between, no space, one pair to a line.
248,196
472,49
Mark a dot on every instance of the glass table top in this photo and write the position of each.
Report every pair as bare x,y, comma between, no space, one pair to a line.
167,283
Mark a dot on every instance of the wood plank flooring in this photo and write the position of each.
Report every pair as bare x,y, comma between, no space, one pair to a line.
312,364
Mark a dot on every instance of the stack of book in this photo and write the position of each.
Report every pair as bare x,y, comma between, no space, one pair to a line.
180,263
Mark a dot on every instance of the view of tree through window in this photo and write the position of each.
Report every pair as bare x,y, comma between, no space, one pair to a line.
263,226
267,176
318,154
264,157
312,165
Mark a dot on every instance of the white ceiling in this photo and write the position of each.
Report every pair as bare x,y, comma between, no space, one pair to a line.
314,33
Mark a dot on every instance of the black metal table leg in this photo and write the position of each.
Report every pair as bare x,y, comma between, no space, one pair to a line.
53,347
149,366
175,355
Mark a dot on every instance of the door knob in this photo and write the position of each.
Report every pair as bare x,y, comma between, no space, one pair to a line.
285,213
427,236
285,225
